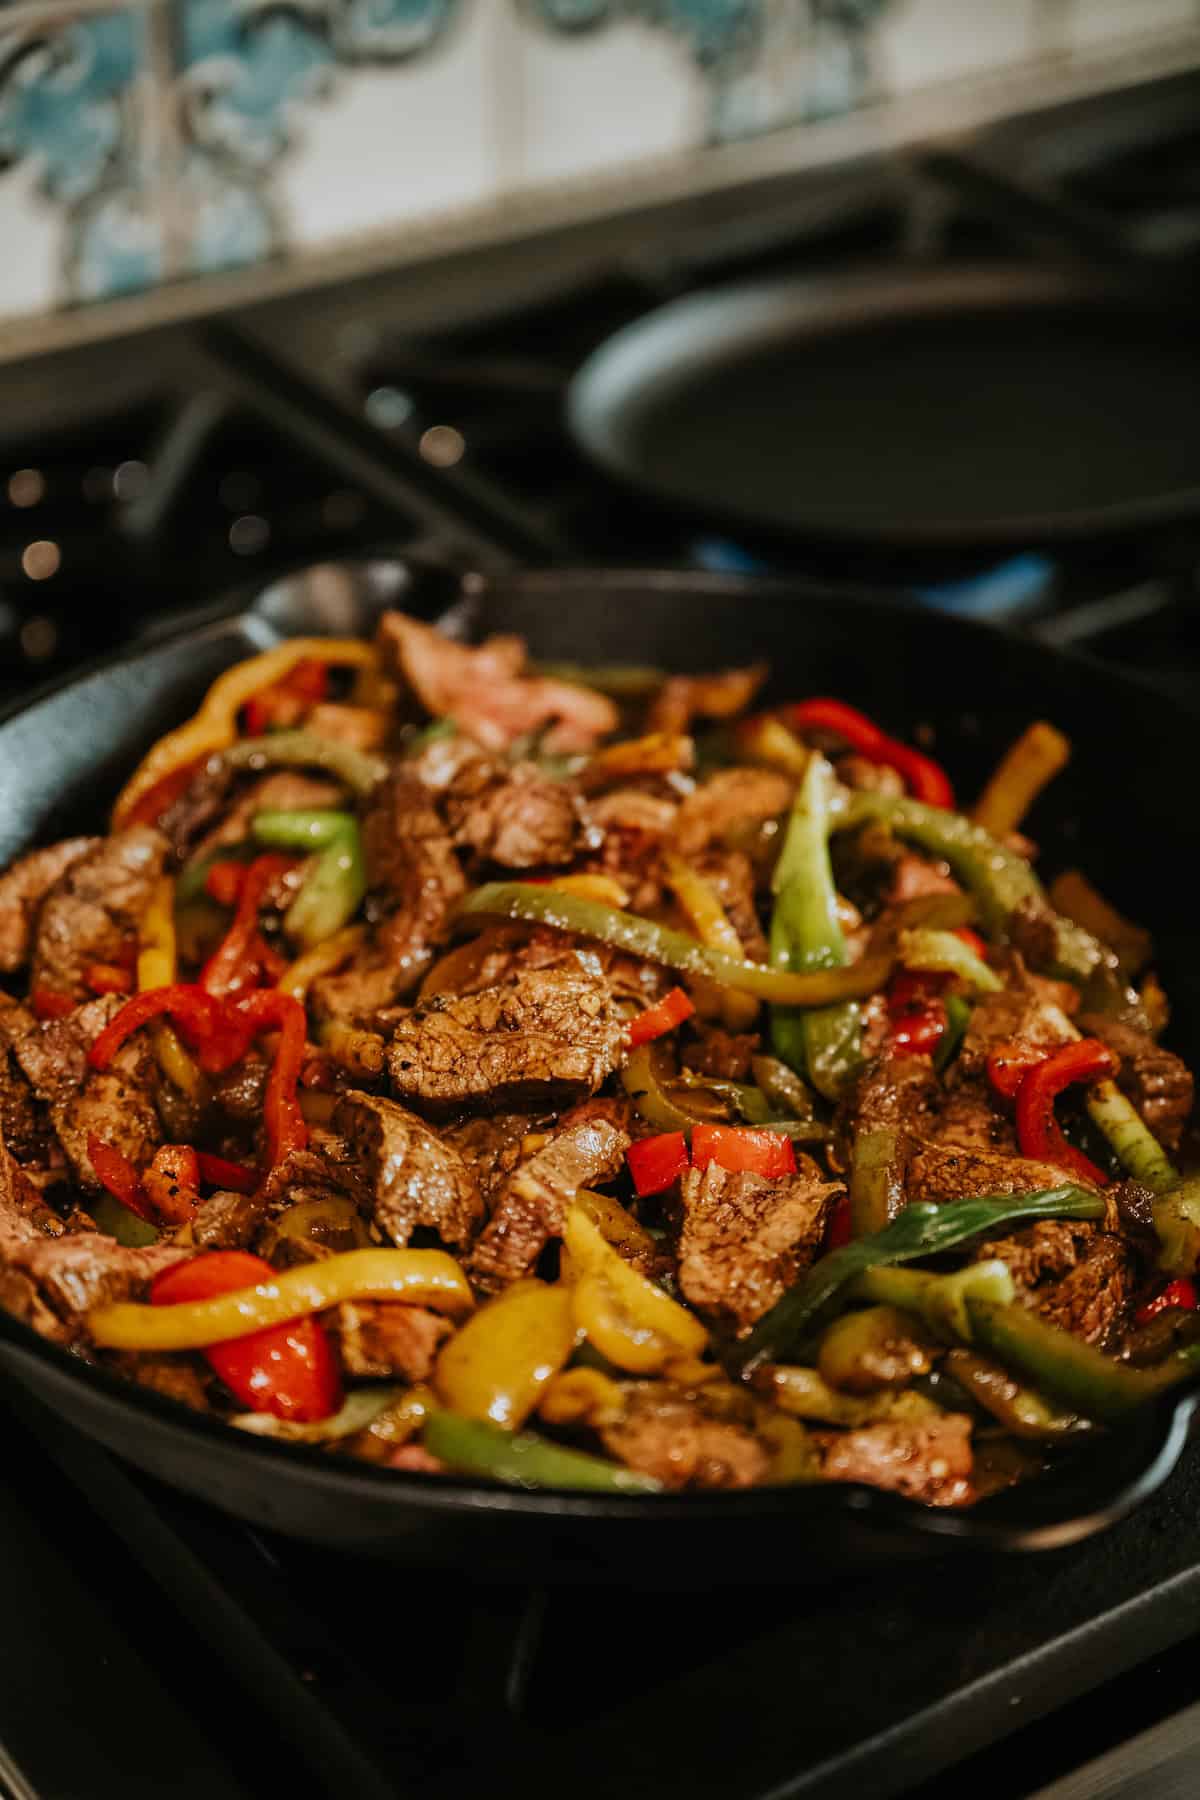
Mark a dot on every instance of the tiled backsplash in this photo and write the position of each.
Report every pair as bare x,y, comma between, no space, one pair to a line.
164,139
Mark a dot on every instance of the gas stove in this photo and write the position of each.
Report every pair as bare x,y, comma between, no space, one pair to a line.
144,482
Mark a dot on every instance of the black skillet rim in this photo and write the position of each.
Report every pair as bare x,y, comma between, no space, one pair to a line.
1009,1521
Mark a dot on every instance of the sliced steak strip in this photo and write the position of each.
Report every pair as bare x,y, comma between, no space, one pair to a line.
24,1126
667,1432
1069,1272
70,1275
408,1175
531,1206
116,1103
725,1055
889,1106
491,1147
511,814
1157,1081
746,1239
952,1171
414,882
1022,1011
732,798
386,1340
92,911
927,1459
540,1038
23,887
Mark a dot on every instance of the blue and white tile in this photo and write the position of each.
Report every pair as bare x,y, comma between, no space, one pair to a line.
1100,24
79,199
924,42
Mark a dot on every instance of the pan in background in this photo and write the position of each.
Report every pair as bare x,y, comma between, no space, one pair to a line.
62,757
977,408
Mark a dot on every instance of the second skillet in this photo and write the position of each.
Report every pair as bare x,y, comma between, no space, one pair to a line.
970,409
62,758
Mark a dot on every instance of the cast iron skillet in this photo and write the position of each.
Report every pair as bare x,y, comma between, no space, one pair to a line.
920,410
1117,809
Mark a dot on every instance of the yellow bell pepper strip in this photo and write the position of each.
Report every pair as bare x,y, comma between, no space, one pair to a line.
1176,1214
156,968
357,769
322,959
767,740
332,890
874,1347
620,681
419,1277
674,949
1073,895
922,1229
999,879
581,1397
1024,770
713,926
642,1081
617,1226
214,726
1070,1371
823,1044
497,1365
605,888
354,1049
945,953
117,1221
658,753
520,1459
805,1394
629,1319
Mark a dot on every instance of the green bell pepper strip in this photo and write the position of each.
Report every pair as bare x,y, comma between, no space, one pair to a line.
1069,1371
875,1180
304,749
940,1300
642,1082
674,949
922,1229
946,954
116,1221
334,887
474,1447
1134,1144
1020,1410
999,879
958,1017
825,1044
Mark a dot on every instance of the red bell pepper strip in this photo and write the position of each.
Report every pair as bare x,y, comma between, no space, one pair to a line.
973,941
171,1184
164,793
287,700
288,1370
234,965
657,1162
925,779
49,1003
1038,1131
840,1227
669,1012
1010,1062
115,1171
266,1010
218,1172
225,880
1180,1292
916,1012
198,1015
737,1147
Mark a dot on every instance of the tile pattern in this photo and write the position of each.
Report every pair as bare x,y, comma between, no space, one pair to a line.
156,139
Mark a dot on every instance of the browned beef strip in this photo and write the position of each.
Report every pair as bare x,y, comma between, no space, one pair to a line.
722,695
322,1171
1157,1081
225,1221
893,1097
24,1215
952,1171
67,1276
24,1126
414,882
23,887
540,1038
730,874
93,909
530,1207
730,799
744,1239
184,1379
725,1055
507,813
927,1459
386,1340
282,790
491,1145
1070,1272
969,1118
859,772
116,1103
668,1433
407,1174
